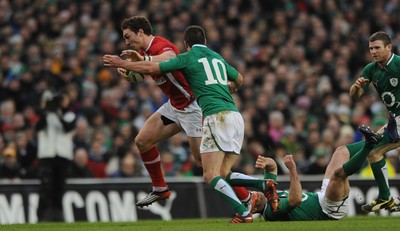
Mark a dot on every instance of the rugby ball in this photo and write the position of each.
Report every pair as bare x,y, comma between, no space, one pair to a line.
135,77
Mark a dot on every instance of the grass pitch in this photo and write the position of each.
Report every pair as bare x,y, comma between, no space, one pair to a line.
358,223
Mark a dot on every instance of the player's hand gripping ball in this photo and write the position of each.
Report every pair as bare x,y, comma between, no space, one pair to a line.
134,77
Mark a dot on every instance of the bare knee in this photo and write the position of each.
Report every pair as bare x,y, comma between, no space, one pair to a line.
339,174
197,158
341,151
208,177
294,202
142,144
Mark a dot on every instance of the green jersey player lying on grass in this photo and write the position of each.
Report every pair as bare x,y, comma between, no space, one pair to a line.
331,202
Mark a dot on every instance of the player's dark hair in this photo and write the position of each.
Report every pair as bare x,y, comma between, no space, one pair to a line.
194,35
381,35
135,23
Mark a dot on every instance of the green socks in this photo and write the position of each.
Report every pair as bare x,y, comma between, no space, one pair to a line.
271,176
239,179
356,162
380,172
219,185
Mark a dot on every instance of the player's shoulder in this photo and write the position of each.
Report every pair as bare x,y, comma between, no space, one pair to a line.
396,58
371,66
161,45
159,39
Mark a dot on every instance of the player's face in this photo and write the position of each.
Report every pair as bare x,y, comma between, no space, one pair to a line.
379,52
132,39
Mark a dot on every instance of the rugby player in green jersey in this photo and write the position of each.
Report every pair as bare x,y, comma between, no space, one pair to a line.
331,202
212,80
384,74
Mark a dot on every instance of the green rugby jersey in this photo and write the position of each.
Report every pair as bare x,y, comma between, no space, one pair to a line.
207,74
308,210
386,82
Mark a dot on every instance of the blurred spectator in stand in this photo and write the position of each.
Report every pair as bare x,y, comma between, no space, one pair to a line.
98,125
346,136
254,148
73,94
311,142
97,159
7,112
82,136
127,131
280,152
302,163
169,166
79,167
27,155
319,161
128,167
178,146
289,139
9,166
276,125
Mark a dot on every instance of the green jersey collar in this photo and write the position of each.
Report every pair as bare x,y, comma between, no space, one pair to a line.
199,45
390,60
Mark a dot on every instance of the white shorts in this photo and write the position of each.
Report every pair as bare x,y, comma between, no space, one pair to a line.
223,131
189,119
334,209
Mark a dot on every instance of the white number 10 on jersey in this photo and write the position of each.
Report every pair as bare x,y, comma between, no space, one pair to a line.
221,76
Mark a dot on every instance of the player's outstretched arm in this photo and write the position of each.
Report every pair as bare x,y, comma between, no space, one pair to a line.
295,189
266,163
136,56
142,67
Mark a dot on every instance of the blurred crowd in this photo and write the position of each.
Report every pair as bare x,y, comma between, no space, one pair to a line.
298,59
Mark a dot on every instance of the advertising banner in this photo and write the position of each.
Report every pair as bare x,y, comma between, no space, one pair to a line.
113,200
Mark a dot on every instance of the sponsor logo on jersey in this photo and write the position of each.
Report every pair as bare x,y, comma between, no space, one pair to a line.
160,80
394,82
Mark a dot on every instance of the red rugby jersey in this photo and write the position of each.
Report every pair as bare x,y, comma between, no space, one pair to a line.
173,84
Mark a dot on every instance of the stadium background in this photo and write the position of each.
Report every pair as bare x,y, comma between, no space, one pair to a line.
299,59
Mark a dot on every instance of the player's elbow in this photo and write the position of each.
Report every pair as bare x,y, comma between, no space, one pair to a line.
295,200
239,80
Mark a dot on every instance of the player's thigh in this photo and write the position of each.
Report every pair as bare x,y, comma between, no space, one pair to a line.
229,161
339,157
212,162
154,130
338,188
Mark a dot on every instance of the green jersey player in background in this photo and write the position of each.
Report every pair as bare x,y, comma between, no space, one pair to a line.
212,80
330,203
384,74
